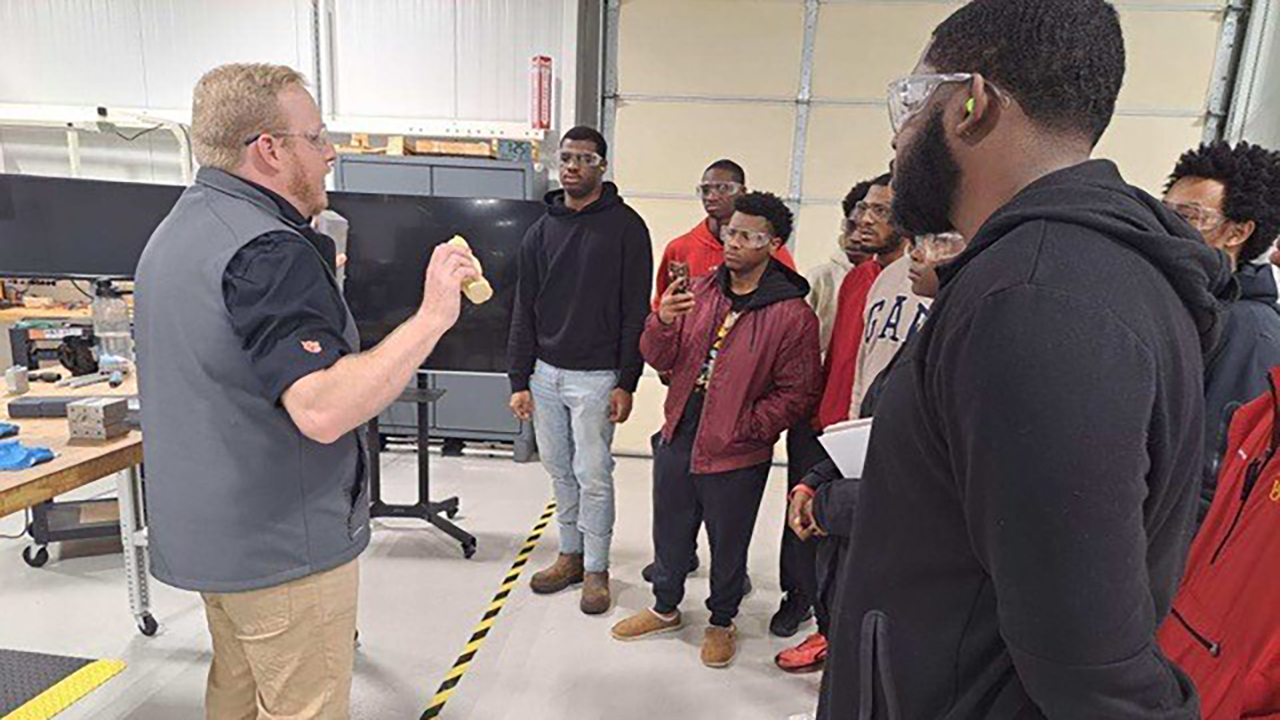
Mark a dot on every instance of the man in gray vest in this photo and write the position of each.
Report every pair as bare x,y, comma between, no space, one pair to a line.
253,389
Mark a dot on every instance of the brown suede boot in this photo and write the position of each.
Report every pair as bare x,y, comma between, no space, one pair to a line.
595,593
564,573
719,645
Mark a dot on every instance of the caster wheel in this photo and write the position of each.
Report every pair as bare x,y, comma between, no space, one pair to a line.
469,551
451,513
36,559
148,625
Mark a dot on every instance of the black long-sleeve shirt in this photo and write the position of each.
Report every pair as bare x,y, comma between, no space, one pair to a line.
583,294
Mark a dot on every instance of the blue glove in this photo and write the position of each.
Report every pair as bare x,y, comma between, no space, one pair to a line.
15,456
8,430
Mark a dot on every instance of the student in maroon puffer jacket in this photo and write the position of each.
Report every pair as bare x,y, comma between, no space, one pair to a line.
742,350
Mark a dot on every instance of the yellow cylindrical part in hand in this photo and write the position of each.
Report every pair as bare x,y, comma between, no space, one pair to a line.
478,289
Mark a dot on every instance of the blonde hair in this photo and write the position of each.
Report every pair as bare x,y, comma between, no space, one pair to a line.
236,102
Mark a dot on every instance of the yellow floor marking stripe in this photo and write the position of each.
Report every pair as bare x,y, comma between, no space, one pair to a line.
474,643
67,691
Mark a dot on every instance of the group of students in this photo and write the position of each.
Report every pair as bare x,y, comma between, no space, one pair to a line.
1044,428
1049,396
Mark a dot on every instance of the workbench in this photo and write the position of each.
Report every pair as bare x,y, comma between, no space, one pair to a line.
78,465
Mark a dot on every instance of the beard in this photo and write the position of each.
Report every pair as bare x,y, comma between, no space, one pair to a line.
925,183
311,195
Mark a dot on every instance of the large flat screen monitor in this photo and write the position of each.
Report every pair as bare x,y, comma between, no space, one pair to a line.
389,246
72,228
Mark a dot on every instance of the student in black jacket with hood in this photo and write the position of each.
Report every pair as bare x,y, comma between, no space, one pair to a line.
1030,487
1232,196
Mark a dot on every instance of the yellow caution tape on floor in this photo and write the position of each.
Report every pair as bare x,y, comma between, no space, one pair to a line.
481,631
67,691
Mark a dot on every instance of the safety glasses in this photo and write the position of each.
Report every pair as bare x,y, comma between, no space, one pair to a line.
318,140
718,189
1201,218
569,158
909,95
745,238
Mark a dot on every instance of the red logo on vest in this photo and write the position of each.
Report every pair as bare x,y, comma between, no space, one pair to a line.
312,346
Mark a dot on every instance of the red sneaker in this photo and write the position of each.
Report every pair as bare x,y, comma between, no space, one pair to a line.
806,657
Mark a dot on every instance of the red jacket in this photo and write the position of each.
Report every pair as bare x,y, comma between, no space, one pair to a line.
846,336
767,377
703,253
1225,627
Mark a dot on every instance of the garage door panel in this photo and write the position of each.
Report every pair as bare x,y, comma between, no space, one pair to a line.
665,146
1147,148
860,48
1170,59
846,145
719,47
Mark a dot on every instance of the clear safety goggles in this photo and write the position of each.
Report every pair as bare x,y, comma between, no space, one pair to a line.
745,238
718,189
909,95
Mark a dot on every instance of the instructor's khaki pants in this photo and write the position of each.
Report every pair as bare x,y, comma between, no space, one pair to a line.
284,652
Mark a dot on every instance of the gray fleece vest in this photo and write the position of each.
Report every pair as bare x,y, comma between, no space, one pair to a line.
237,497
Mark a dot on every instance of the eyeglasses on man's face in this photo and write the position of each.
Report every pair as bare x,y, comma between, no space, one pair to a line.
1204,219
319,139
746,238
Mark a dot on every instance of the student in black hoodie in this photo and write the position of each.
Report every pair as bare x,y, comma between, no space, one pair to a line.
1030,486
1232,196
581,303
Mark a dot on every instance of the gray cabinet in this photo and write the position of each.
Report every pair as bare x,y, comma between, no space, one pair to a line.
475,405
439,176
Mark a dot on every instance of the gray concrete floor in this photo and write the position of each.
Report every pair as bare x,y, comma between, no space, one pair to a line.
420,601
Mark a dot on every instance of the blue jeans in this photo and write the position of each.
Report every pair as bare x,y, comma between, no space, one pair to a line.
571,421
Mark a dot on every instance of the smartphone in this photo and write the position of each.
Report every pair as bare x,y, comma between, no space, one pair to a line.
678,273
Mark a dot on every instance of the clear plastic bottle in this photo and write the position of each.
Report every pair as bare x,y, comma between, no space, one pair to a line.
112,327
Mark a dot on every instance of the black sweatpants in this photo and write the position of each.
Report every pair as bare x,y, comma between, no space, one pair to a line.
798,565
727,502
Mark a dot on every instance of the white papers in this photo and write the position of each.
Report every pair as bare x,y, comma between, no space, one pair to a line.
847,443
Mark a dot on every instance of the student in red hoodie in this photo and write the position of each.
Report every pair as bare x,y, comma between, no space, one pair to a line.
878,236
699,251
742,350
866,223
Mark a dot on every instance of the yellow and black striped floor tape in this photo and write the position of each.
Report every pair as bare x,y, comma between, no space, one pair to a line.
460,666
67,691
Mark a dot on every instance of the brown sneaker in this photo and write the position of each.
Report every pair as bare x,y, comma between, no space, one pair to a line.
595,593
719,645
644,624
565,572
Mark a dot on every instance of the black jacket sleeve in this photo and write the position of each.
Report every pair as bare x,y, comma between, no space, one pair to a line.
821,474
1048,421
637,281
522,342
835,505
1239,373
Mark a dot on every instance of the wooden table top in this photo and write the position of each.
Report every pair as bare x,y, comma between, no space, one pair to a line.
75,465
13,315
